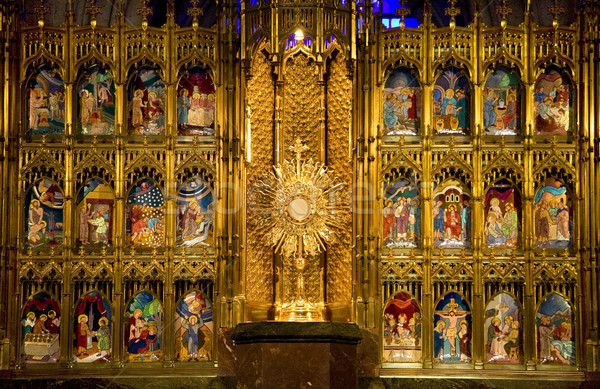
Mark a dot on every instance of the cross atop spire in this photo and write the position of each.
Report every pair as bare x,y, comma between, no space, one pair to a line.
298,148
144,11
195,11
556,11
452,11
41,11
402,11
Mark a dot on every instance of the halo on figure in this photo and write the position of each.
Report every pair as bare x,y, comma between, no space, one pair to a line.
103,320
81,317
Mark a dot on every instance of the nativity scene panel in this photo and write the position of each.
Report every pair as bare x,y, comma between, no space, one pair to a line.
145,214
402,320
40,326
44,212
401,103
195,214
194,328
451,99
143,338
196,103
96,103
45,102
92,341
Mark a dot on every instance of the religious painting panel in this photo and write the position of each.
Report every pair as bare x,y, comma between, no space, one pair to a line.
195,214
555,331
95,202
196,103
96,103
44,209
143,337
402,329
45,102
145,214
40,327
146,104
401,214
452,332
552,215
401,103
92,341
502,103
451,97
553,104
502,207
451,216
503,330
194,328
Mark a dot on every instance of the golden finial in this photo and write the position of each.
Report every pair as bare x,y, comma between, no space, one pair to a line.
513,254
554,142
544,255
412,253
452,11
401,142
566,253
144,11
93,10
154,252
183,254
402,12
503,10
29,252
463,253
103,251
298,148
132,252
556,11
194,12
41,11
81,251
52,252
502,142
441,252
492,253
145,141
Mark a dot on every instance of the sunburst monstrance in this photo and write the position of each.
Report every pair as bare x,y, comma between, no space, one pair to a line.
299,210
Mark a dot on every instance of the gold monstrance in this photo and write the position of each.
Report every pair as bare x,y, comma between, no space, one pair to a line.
299,211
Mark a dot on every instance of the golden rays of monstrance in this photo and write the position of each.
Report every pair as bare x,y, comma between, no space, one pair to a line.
298,209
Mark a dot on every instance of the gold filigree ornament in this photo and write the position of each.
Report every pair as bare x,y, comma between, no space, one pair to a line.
299,209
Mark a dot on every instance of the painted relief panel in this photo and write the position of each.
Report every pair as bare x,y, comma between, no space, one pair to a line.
194,328
41,329
92,341
451,217
401,215
555,332
552,212
402,331
553,104
451,97
502,103
45,103
502,217
146,105
401,104
196,103
452,332
145,215
96,103
144,331
94,207
195,214
44,214
503,330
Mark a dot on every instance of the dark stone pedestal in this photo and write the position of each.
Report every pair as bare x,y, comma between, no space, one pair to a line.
296,355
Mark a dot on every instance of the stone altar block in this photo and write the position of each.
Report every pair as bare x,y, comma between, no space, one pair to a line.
296,354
